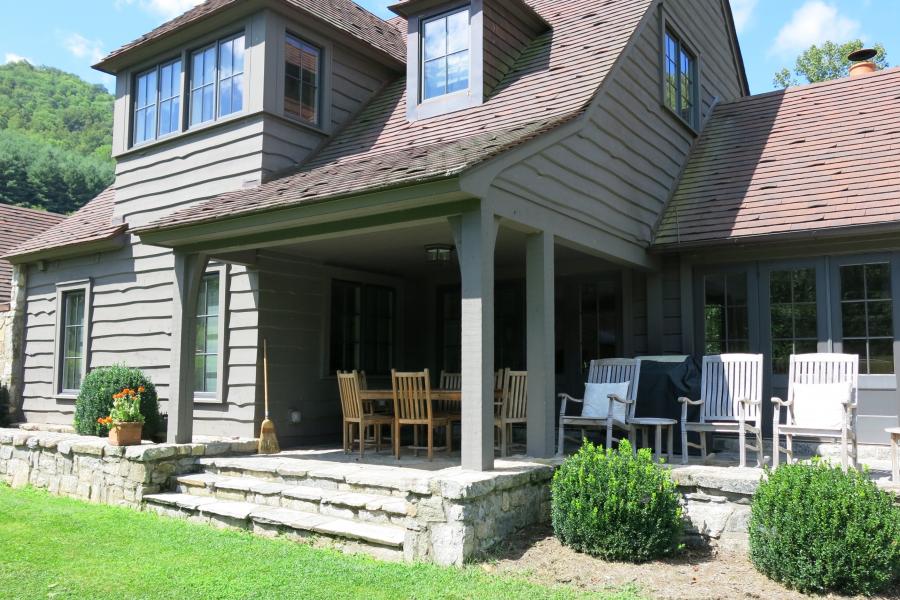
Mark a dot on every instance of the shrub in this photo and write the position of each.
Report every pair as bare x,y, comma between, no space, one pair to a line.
95,400
817,529
616,505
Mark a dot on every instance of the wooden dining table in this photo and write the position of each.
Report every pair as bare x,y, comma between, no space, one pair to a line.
449,395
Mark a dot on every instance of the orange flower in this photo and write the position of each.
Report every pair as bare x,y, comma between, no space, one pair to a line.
141,389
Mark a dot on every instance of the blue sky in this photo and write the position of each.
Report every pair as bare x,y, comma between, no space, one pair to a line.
72,34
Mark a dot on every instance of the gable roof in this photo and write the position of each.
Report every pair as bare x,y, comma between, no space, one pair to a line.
344,15
93,222
553,81
18,224
812,158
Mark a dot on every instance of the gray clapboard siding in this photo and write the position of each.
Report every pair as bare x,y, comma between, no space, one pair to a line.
506,35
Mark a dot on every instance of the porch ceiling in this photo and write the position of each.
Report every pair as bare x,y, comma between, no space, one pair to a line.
401,251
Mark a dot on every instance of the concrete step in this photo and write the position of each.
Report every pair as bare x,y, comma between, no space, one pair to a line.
380,540
377,508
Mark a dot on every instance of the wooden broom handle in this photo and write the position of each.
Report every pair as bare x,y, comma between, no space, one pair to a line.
266,376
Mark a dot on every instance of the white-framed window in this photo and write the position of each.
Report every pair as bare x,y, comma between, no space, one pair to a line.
444,59
680,88
157,102
302,79
73,301
217,80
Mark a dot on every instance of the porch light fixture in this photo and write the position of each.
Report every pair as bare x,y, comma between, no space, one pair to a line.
438,254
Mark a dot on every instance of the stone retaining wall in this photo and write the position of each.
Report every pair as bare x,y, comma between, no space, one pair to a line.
90,469
468,513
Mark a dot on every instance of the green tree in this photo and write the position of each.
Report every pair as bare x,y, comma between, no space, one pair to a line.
825,62
55,138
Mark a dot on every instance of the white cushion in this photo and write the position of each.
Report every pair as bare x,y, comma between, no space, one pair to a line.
820,405
596,400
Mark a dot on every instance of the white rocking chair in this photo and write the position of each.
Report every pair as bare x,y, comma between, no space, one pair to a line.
611,370
730,401
606,370
821,370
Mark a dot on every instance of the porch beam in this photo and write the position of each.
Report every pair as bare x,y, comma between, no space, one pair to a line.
540,343
188,274
475,233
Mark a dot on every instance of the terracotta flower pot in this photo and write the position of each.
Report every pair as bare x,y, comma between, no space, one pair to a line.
125,434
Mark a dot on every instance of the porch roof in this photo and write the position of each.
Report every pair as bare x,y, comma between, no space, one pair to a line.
812,159
553,81
17,224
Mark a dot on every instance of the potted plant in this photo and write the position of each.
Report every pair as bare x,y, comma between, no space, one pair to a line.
125,420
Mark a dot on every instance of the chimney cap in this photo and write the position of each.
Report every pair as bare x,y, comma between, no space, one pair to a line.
862,54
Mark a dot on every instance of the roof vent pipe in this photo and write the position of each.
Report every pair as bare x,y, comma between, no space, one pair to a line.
862,62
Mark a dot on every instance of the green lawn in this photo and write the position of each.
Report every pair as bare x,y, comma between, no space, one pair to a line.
53,547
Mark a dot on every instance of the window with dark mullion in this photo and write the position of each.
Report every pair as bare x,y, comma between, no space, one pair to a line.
867,316
362,328
793,313
679,87
72,350
726,321
217,80
445,54
301,79
157,102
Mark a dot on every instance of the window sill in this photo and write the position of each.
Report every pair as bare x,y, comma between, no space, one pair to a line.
185,134
208,399
690,128
66,397
298,122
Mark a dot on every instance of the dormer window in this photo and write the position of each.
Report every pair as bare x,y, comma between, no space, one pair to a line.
445,54
157,101
217,80
680,88
302,64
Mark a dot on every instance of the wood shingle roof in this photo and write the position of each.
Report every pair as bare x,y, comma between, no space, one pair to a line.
818,157
18,224
553,81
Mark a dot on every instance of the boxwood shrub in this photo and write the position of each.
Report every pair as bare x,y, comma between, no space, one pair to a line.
95,399
616,505
818,529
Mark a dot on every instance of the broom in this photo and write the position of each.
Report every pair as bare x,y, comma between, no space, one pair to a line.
268,441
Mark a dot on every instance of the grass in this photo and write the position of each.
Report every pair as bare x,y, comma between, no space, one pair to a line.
52,547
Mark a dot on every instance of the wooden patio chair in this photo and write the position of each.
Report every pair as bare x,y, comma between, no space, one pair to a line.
413,406
821,403
730,401
511,409
602,371
450,381
355,414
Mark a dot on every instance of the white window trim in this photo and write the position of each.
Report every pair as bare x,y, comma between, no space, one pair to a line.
219,396
86,286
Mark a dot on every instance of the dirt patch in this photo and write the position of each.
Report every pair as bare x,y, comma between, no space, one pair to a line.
697,574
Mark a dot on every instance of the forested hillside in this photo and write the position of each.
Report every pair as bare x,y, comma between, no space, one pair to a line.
55,137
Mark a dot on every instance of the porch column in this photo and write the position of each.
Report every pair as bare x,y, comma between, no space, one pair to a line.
476,234
189,270
540,343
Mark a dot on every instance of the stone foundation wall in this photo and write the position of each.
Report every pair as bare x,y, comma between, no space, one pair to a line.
468,513
717,504
90,469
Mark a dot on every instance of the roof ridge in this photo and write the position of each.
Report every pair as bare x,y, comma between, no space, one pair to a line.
810,86
40,211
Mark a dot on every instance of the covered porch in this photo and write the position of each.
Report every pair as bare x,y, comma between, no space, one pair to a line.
518,291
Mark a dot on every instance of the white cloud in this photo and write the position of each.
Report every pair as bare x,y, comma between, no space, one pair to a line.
11,57
742,11
81,47
813,23
164,8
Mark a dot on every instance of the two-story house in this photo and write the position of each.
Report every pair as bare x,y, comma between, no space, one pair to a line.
305,173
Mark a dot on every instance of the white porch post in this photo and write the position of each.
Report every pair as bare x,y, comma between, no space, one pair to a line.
188,275
541,343
476,236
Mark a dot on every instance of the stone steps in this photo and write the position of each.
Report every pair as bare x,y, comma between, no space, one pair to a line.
339,503
384,541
